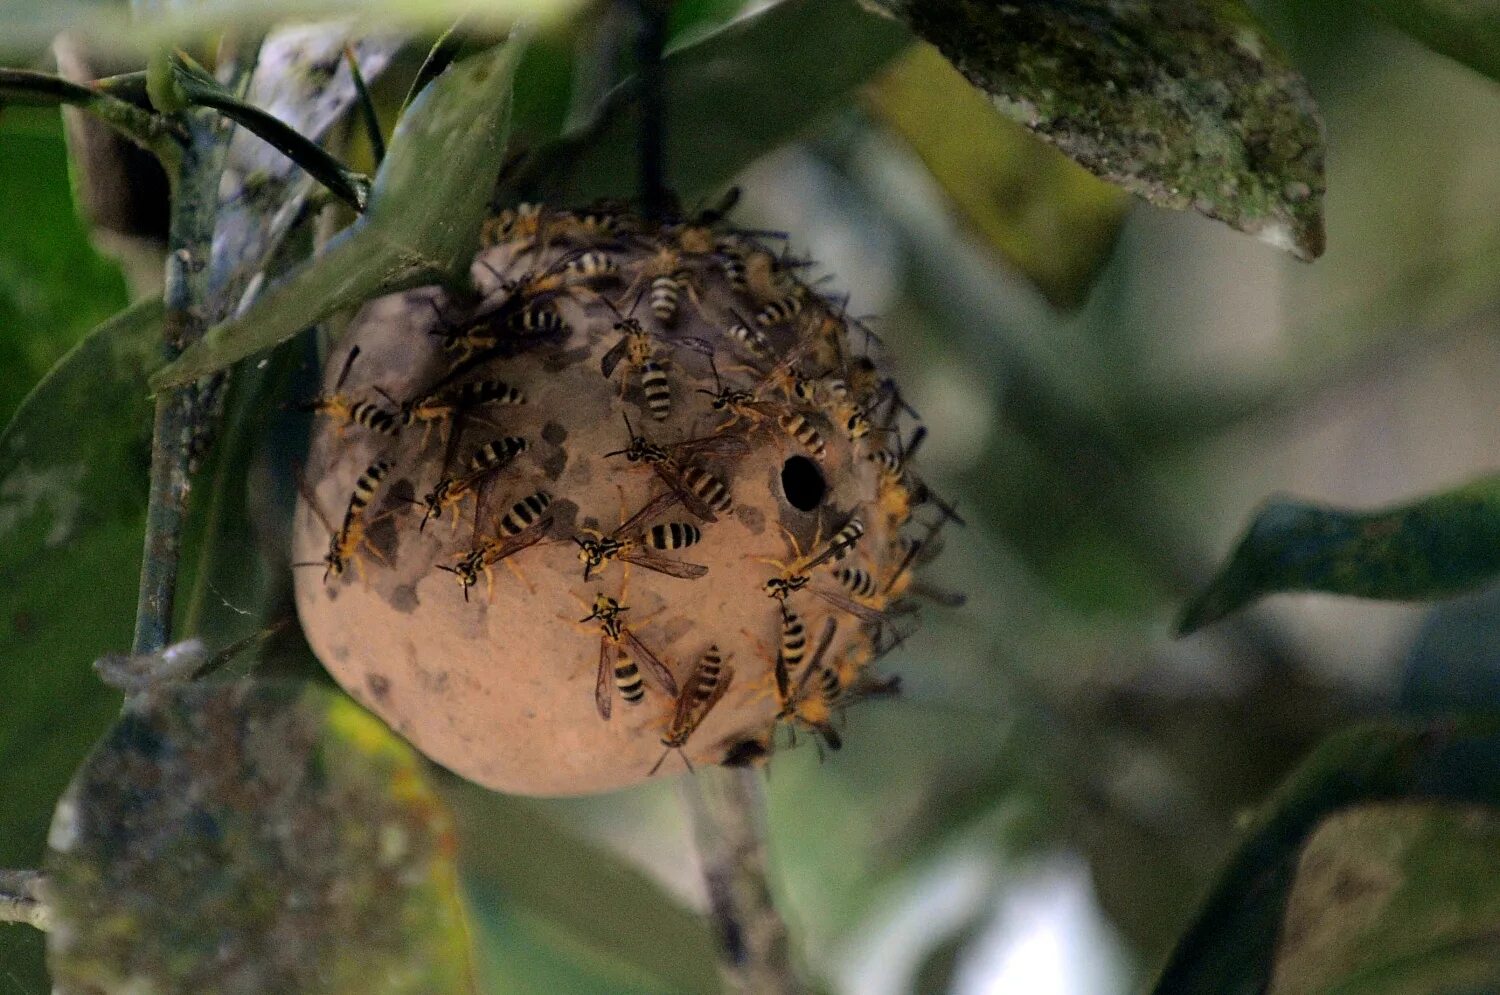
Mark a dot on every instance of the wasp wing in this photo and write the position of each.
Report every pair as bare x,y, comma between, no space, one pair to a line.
844,603
603,698
611,359
663,565
660,675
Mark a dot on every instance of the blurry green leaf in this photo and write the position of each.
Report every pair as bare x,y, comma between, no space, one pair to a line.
1183,102
28,26
1231,947
254,837
422,224
626,924
1463,30
1440,545
73,469
1049,217
1393,899
730,97
53,286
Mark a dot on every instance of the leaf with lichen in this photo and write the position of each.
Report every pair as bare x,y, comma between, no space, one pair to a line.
1184,102
1390,899
1442,545
422,225
1045,215
1449,772
254,837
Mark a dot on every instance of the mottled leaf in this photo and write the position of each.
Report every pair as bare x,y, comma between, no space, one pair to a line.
1184,102
636,936
422,224
254,837
1463,30
1047,216
731,96
1393,899
1230,948
1433,548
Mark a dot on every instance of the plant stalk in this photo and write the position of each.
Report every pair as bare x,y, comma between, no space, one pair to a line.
179,422
727,806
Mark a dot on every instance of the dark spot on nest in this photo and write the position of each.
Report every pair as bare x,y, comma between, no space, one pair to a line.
564,515
752,519
404,598
380,686
403,492
565,359
554,464
382,536
554,433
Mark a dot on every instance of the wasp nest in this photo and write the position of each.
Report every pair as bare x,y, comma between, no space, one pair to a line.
645,492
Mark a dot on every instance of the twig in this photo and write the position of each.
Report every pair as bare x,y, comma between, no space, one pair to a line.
150,131
728,809
21,899
179,412
651,38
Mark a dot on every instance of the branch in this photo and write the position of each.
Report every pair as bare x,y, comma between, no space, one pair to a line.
21,899
728,808
180,423
201,89
150,131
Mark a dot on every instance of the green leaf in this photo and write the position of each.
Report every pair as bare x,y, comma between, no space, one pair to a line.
1048,217
1433,548
1232,946
1463,30
422,225
253,836
1185,103
731,97
632,932
74,464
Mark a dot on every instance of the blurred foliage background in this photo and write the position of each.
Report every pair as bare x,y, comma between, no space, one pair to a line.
1111,390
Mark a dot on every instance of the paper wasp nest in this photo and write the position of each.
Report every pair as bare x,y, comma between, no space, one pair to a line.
538,527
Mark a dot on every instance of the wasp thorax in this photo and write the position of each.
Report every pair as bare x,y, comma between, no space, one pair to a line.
640,499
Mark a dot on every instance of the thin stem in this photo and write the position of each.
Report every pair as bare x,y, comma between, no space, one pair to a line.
651,38
728,809
152,132
366,105
203,90
21,899
179,410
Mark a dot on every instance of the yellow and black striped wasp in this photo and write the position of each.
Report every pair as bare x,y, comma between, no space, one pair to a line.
704,689
521,527
704,494
345,543
632,544
621,657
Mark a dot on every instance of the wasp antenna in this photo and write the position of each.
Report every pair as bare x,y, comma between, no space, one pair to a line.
348,364
661,760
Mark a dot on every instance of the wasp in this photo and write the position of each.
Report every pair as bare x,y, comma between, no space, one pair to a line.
703,494
522,527
640,549
706,685
811,703
486,460
798,426
638,348
344,544
780,311
439,406
345,410
753,340
617,664
796,574
857,581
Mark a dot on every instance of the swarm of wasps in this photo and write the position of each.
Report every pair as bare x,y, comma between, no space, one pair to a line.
782,370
